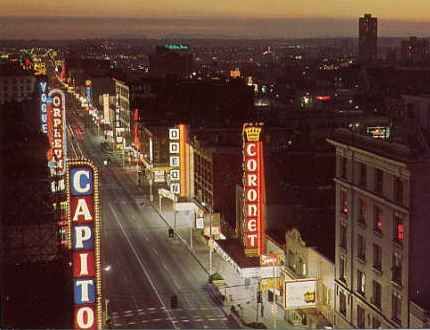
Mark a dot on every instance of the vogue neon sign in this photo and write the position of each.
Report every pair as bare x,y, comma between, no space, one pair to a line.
254,190
43,86
84,228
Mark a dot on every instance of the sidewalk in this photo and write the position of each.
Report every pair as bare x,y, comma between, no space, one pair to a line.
244,299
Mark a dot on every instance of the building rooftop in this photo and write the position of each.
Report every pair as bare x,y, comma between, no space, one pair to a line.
234,248
396,151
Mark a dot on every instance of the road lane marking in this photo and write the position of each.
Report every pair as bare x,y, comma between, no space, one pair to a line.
142,265
155,251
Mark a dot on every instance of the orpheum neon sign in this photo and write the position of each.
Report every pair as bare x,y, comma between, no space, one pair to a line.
254,190
84,240
57,130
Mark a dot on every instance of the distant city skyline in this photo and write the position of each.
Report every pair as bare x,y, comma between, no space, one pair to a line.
192,27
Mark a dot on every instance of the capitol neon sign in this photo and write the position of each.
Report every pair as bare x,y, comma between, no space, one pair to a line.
84,240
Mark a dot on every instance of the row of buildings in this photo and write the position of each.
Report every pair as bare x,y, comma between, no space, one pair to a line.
353,240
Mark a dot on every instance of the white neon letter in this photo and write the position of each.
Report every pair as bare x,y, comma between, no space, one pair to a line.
85,322
84,289
77,181
83,233
82,209
250,149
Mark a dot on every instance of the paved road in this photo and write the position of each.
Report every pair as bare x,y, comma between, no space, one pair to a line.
146,267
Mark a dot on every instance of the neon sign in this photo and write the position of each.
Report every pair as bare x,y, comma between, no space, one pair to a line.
254,190
57,130
43,86
174,151
84,239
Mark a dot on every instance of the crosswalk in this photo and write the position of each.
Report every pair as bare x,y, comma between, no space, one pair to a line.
182,317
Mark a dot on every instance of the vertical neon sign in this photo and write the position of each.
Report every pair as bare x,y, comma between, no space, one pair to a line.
84,240
57,130
43,87
254,190
175,163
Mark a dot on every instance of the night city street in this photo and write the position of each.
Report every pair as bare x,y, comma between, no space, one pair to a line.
186,165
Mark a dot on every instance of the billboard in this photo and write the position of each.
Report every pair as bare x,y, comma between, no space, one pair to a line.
379,132
57,131
254,190
300,293
84,233
43,89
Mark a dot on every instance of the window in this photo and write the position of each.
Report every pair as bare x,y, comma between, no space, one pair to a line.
363,175
399,229
361,247
342,304
398,190
362,209
379,181
397,268
361,282
361,323
343,202
343,163
378,219
377,257
376,298
396,307
342,269
376,324
343,236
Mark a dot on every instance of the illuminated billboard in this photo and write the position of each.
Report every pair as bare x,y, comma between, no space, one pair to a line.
300,294
57,131
84,231
254,190
43,88
379,132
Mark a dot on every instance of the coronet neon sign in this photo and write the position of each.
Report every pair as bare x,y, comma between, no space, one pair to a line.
254,190
84,240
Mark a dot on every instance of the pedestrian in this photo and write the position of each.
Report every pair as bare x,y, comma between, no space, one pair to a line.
262,310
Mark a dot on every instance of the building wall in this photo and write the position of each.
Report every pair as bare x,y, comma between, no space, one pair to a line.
348,215
16,88
122,93
303,261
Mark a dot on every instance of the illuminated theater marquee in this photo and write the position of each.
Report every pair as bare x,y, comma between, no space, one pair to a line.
84,240
254,190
